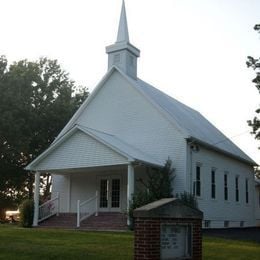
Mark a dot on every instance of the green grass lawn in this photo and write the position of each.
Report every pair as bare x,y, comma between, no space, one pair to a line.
217,248
40,244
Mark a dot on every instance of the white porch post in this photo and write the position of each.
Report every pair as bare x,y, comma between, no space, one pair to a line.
36,199
78,213
130,187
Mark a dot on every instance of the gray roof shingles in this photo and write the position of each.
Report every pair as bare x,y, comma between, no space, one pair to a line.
192,122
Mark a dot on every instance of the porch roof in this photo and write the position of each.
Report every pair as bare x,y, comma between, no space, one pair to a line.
83,147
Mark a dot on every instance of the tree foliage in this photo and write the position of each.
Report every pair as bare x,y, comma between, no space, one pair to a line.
159,183
188,199
36,100
254,63
157,186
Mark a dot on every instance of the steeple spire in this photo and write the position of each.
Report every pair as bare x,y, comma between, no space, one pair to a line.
122,53
122,35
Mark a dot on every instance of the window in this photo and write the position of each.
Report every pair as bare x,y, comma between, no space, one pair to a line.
259,198
237,188
213,183
207,223
197,183
117,58
225,186
226,223
247,196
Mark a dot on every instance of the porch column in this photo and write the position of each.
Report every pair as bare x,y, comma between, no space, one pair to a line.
36,199
130,187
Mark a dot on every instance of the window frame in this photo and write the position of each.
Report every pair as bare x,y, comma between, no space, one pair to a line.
213,183
237,188
246,191
225,186
197,182
259,198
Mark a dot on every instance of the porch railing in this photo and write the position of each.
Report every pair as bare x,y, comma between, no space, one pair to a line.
87,208
49,208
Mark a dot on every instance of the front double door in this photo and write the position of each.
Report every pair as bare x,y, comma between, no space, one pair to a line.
109,193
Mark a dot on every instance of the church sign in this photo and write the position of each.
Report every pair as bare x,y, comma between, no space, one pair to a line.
168,230
175,241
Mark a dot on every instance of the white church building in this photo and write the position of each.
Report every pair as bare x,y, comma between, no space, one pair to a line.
127,127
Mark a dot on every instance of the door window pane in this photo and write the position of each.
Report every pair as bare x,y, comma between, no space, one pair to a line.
115,203
103,203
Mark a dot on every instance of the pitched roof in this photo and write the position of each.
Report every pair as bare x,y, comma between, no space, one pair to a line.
120,146
126,150
192,122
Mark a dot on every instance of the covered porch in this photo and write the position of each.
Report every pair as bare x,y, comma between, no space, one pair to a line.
89,191
94,173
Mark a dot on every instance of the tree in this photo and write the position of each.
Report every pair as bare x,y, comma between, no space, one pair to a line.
254,63
157,186
159,183
36,101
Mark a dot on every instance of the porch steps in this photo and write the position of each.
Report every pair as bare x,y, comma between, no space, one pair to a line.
64,220
104,221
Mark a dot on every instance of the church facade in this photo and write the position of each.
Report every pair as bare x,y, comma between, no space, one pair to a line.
127,127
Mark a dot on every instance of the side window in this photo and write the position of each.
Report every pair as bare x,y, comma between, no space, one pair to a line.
213,183
197,182
247,195
237,188
259,198
226,186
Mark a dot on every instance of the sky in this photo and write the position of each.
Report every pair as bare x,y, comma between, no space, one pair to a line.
193,50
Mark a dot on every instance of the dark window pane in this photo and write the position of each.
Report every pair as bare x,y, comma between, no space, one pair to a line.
103,203
115,193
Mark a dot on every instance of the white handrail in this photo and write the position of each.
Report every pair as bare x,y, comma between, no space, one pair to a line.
87,208
49,208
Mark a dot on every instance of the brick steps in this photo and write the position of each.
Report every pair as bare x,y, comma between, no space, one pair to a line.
64,220
104,221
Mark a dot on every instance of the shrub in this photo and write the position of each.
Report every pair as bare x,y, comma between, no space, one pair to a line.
188,199
140,199
158,186
26,213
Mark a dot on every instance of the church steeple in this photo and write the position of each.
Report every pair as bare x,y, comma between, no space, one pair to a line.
123,54
122,34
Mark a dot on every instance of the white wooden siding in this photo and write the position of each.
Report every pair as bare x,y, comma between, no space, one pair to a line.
121,110
218,210
79,151
60,185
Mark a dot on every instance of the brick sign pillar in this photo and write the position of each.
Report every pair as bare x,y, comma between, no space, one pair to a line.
168,229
